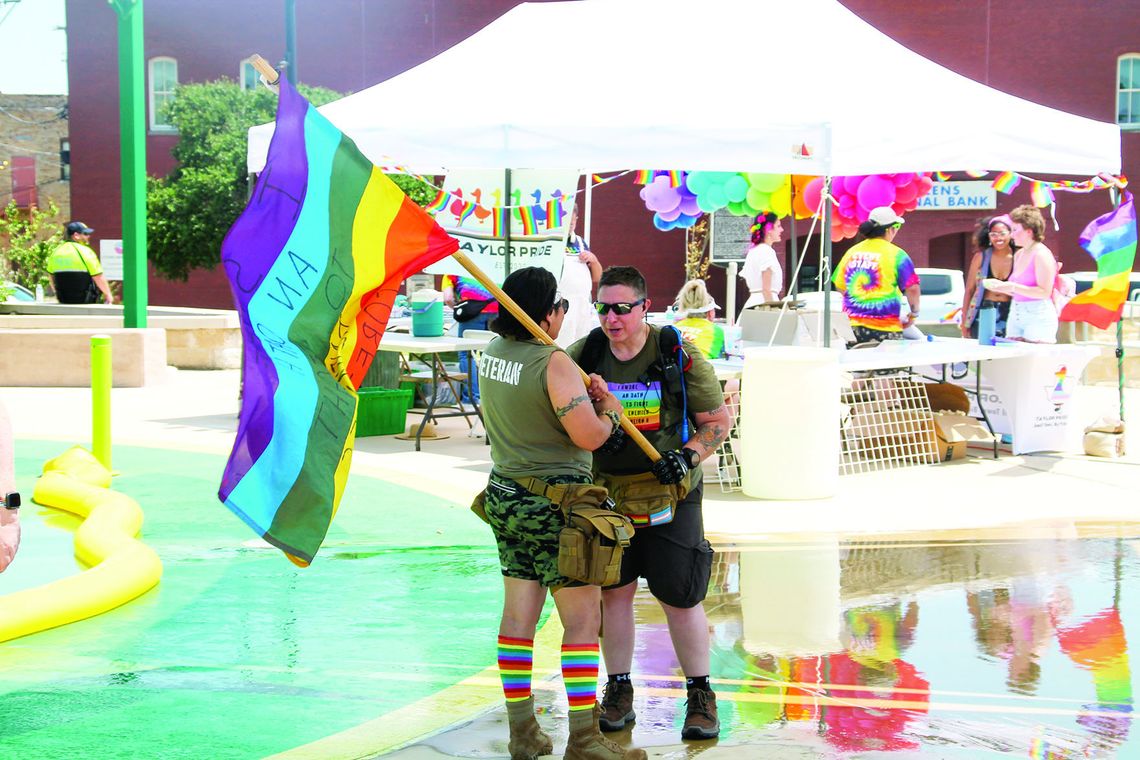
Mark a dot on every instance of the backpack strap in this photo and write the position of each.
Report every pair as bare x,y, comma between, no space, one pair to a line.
592,350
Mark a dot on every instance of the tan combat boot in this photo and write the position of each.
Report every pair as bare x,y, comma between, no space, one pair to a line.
528,740
587,743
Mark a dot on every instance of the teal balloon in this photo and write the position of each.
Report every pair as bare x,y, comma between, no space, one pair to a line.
717,197
736,188
698,182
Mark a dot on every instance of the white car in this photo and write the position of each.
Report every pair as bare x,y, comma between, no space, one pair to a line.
942,292
16,293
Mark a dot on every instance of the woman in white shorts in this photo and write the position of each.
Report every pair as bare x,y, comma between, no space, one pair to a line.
1032,317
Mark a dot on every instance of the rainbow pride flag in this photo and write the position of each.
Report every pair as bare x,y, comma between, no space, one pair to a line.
1041,194
554,213
314,262
1006,182
526,219
1111,241
499,218
439,203
643,177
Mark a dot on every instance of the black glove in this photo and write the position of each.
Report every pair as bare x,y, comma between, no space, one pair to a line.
671,467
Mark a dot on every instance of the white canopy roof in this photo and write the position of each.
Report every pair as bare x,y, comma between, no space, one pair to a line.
728,85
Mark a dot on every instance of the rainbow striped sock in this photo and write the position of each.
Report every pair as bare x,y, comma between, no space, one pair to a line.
516,661
580,674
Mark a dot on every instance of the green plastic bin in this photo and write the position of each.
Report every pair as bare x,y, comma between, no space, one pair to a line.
410,387
381,411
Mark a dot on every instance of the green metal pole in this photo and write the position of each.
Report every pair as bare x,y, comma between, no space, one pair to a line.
101,398
132,130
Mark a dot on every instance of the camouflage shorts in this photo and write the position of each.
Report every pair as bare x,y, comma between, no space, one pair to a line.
526,529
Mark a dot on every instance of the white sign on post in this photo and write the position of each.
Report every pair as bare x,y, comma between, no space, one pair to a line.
958,196
111,257
481,238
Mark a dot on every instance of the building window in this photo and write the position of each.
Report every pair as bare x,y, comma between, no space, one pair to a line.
65,159
1128,91
248,76
163,79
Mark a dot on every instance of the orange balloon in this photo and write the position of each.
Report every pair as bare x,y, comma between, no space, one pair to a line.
799,208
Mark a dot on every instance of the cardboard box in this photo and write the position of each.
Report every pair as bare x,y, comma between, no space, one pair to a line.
956,431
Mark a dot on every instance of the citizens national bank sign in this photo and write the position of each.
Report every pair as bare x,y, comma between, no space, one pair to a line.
958,196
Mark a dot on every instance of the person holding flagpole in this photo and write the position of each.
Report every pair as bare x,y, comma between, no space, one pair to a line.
543,429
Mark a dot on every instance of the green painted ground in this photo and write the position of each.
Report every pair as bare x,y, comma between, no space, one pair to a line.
237,653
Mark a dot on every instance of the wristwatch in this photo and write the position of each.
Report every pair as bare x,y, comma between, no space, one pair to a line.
10,500
692,458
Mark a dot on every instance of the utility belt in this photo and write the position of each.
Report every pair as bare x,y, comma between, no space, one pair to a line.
642,499
591,545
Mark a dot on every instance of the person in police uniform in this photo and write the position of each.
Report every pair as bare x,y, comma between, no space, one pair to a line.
76,274
543,428
673,557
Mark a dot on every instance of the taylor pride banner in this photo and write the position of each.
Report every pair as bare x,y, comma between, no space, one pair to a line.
474,209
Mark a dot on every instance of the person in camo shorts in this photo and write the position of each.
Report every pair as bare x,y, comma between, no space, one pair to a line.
543,428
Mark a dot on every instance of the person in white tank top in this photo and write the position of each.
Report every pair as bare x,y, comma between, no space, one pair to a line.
762,271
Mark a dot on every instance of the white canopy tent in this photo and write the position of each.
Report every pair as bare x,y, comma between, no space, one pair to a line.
678,84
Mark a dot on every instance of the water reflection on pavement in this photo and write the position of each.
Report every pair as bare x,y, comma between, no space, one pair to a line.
945,645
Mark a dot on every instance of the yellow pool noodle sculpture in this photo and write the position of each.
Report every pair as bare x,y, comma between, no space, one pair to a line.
122,567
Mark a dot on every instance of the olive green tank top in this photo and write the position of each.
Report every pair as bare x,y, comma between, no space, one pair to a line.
527,438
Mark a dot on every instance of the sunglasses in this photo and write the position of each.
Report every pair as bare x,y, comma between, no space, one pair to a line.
621,309
561,303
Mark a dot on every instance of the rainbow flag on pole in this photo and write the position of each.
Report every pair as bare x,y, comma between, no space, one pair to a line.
1111,241
314,262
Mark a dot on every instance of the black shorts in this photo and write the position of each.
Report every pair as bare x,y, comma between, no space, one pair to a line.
674,558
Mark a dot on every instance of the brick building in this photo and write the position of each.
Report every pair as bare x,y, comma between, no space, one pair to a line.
34,152
1068,54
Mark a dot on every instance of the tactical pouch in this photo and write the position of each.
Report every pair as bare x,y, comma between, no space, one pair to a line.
479,506
642,499
590,546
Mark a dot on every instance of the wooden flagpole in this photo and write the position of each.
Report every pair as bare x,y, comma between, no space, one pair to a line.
271,76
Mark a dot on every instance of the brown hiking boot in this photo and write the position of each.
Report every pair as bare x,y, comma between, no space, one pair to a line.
587,743
700,716
617,706
528,740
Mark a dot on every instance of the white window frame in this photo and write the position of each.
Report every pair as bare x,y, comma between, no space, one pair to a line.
1134,123
154,94
244,67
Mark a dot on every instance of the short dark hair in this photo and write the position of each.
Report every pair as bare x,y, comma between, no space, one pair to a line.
534,289
628,276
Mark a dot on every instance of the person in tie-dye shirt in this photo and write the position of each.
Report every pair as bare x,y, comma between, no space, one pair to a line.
874,277
456,289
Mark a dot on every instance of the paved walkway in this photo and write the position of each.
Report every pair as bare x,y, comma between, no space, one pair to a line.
1021,497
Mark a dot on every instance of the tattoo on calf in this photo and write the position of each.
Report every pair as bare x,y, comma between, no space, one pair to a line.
562,411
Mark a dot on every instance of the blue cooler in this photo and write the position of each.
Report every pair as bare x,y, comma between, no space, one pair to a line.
427,313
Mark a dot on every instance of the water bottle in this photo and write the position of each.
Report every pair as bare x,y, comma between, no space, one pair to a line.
987,324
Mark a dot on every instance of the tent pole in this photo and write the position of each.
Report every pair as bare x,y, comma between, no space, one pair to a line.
589,210
793,287
507,223
825,261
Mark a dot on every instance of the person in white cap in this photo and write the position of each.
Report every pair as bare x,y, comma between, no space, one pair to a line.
874,277
697,326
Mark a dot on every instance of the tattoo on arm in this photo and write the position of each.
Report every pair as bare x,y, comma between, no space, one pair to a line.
712,434
562,411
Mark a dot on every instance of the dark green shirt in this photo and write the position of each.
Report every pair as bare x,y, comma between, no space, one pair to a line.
527,438
641,399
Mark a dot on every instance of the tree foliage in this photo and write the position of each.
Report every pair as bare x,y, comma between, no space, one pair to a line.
27,243
189,211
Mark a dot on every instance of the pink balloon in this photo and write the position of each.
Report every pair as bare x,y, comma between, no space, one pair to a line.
861,213
903,179
898,208
812,192
847,205
906,193
851,184
876,191
924,184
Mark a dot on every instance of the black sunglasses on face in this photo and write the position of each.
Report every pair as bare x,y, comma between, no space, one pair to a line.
563,304
621,309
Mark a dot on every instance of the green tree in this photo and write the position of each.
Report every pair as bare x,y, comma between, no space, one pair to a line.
27,243
190,210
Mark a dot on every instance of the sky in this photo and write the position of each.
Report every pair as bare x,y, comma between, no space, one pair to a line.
33,47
